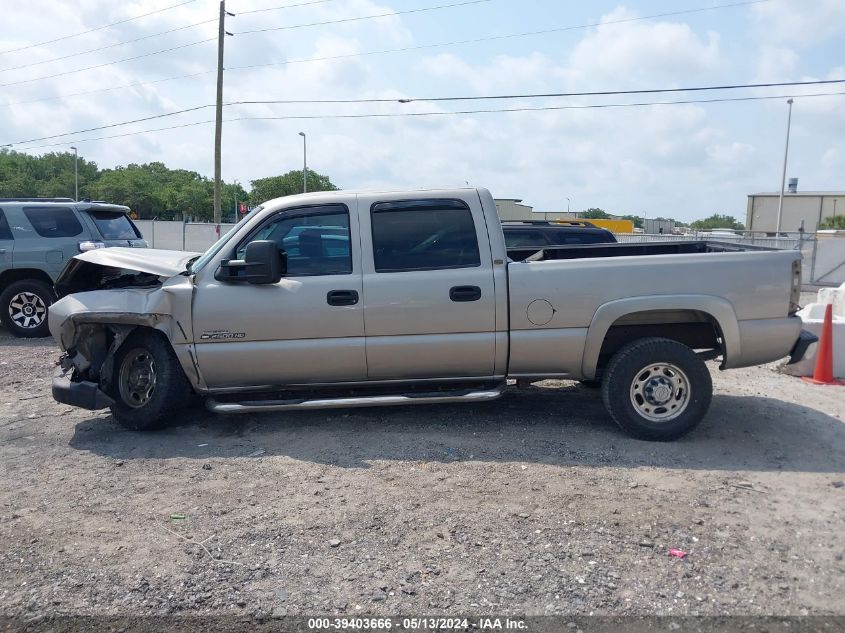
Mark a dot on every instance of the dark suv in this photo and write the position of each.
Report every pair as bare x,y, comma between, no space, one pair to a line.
523,239
37,237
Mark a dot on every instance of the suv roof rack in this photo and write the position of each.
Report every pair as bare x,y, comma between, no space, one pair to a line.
574,223
582,223
37,200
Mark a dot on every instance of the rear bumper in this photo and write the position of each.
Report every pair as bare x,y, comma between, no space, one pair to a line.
805,339
86,395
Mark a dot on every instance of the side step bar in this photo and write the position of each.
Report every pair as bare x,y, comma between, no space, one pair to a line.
255,406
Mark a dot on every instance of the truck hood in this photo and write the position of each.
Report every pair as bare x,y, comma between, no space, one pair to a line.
147,260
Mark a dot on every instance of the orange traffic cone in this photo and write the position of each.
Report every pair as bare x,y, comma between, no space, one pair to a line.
823,373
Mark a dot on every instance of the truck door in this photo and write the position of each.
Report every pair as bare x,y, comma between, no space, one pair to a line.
308,328
430,309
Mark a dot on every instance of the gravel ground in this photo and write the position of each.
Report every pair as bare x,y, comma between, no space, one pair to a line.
535,504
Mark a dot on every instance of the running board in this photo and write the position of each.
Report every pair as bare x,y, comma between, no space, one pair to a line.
255,406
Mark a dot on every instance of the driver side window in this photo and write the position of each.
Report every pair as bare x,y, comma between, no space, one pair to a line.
316,242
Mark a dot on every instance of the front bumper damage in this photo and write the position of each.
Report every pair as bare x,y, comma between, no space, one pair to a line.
799,350
83,394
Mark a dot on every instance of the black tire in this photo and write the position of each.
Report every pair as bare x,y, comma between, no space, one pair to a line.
137,406
23,308
648,367
595,383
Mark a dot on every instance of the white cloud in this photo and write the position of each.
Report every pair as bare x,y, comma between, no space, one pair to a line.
651,51
799,24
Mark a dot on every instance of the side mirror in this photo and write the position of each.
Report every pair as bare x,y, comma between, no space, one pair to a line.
263,263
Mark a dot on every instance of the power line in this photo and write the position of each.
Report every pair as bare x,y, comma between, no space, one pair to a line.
293,26
545,95
98,28
364,17
442,113
103,48
395,50
284,6
111,125
147,37
503,37
109,89
117,61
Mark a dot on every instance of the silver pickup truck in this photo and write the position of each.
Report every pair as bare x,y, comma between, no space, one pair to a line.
345,299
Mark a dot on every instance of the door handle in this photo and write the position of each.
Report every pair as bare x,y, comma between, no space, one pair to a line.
342,297
465,293
2,251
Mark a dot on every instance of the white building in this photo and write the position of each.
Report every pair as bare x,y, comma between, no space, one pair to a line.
811,207
512,209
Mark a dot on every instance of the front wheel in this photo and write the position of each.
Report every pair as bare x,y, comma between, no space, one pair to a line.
148,383
657,389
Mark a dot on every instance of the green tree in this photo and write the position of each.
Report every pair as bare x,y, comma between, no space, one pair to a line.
288,184
595,214
835,222
718,221
50,175
638,221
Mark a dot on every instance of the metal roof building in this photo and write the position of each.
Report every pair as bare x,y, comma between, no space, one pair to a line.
810,206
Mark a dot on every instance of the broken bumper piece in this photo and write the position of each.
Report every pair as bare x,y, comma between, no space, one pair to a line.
86,395
800,349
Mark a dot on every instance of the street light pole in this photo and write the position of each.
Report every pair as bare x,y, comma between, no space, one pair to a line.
783,175
567,206
75,174
304,164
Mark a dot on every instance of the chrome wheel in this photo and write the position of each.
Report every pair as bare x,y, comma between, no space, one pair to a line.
660,392
27,310
137,378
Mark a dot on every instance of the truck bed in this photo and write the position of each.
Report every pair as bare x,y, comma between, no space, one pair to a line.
584,251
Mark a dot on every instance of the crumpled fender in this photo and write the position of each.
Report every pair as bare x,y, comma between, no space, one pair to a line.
166,308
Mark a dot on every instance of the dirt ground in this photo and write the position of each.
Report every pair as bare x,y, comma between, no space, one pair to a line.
534,504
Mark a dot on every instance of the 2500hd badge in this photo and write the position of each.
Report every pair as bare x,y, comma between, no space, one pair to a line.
220,335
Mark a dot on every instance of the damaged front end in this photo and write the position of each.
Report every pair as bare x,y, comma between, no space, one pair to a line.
104,297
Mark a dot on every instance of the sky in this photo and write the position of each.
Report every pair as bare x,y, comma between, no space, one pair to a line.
685,161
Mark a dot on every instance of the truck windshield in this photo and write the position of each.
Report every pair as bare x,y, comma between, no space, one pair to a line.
198,264
114,225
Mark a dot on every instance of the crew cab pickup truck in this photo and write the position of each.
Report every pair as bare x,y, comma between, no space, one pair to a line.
344,299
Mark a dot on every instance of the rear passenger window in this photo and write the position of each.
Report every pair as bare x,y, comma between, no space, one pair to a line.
515,239
423,235
585,238
53,221
5,231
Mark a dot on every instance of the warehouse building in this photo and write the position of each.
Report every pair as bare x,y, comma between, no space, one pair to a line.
811,207
512,209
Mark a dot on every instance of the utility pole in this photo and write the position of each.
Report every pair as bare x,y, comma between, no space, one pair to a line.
783,175
218,118
76,176
304,164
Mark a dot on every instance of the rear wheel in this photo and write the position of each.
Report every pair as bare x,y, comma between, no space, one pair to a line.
657,389
23,308
149,384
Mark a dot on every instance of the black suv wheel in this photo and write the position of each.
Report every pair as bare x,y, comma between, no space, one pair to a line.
23,308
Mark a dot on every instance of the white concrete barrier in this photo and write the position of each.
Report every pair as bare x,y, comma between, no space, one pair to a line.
813,317
181,236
